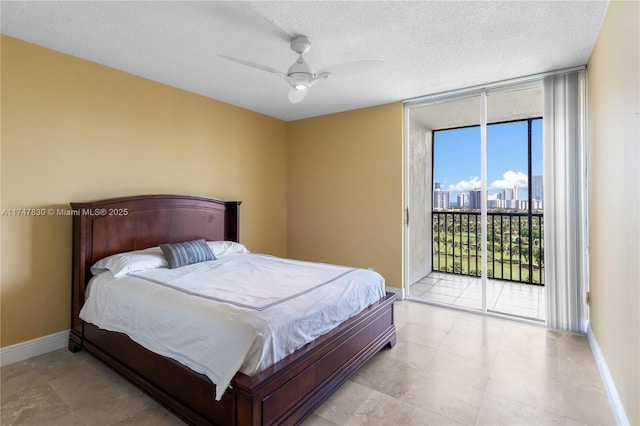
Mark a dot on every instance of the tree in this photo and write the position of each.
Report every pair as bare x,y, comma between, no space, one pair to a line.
525,253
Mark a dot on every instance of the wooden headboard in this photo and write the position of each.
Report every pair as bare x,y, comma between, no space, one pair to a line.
105,227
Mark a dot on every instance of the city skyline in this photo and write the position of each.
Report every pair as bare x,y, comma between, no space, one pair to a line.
506,199
456,159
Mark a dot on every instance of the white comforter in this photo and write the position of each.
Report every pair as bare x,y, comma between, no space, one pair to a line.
242,312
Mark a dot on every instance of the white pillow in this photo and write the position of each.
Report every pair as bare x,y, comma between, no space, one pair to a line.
224,248
123,263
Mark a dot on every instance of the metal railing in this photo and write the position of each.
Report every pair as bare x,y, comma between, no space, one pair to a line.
515,245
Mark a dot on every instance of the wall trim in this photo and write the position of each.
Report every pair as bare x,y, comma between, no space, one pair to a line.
609,385
30,348
399,292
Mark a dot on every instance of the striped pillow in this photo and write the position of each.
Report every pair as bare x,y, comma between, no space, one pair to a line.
187,253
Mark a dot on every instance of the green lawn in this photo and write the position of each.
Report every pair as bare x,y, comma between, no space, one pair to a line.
459,253
497,269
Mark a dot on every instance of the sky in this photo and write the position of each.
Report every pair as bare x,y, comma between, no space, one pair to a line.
456,158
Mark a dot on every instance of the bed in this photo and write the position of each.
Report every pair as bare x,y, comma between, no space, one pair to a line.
284,393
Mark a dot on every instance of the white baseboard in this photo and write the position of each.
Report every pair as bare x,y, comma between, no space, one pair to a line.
30,348
399,292
607,380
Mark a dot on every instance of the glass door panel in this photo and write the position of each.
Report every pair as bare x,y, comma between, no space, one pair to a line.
514,206
444,231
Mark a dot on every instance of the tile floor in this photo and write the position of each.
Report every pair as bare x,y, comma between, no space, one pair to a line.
523,300
449,367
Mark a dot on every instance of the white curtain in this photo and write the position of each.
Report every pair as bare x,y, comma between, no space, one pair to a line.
565,204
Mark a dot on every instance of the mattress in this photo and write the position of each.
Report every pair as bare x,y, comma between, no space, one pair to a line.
241,312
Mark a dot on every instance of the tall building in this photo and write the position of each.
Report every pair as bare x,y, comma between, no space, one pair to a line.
510,197
537,191
475,199
510,194
440,197
463,199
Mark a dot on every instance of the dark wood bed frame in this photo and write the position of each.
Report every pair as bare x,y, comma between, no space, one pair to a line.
285,393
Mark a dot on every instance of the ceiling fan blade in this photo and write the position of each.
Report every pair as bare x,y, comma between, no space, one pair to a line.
283,34
349,69
254,65
295,95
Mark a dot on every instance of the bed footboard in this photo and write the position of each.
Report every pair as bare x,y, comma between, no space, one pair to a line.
292,389
285,393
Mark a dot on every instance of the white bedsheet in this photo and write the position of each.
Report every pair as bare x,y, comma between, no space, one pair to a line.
204,325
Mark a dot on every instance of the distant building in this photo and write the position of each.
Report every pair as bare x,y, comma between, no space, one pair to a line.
440,198
494,204
510,194
536,204
475,199
537,190
509,198
463,199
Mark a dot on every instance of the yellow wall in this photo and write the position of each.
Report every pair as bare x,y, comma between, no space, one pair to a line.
345,189
614,213
73,130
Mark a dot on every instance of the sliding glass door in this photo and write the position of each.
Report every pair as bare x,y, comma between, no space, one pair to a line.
474,197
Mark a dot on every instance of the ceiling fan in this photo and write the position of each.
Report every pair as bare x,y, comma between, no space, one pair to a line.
301,76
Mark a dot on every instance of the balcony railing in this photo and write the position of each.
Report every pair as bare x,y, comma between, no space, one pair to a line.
515,245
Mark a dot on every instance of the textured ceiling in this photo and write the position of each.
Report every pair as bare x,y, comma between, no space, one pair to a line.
428,47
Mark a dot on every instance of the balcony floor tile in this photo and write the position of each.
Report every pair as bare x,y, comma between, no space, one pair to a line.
446,291
523,300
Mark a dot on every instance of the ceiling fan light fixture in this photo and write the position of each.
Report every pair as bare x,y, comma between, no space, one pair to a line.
300,74
301,84
300,81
